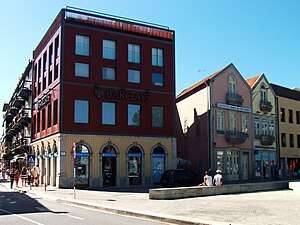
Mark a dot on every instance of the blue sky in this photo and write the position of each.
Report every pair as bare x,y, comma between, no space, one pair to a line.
257,36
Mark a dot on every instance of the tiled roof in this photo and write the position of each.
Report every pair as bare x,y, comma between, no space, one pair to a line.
251,81
286,92
189,89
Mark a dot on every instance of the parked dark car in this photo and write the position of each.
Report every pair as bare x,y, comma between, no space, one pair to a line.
179,178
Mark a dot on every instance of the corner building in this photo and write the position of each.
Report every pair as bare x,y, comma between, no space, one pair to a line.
105,87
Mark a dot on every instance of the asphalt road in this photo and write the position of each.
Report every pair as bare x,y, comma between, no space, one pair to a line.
18,208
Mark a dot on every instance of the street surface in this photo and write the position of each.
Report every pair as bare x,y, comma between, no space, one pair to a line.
18,208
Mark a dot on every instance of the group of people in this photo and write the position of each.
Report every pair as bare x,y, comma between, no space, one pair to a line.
26,174
209,181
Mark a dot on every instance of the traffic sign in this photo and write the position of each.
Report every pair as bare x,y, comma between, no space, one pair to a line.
30,159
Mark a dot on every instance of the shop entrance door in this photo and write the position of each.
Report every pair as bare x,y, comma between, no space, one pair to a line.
245,166
158,164
109,166
82,166
232,165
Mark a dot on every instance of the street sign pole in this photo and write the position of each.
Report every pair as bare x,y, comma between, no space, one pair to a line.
74,167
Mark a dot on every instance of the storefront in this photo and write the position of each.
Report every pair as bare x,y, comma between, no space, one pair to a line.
265,164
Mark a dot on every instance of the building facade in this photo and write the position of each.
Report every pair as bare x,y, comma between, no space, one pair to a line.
16,138
288,104
215,117
104,101
265,128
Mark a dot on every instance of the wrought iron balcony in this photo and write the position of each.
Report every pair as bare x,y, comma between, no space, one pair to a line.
234,99
24,93
24,118
265,106
18,103
236,137
13,110
267,139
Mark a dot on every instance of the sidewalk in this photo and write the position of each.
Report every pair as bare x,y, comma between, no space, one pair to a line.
273,207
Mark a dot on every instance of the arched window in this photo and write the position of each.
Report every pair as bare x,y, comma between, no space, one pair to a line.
263,93
232,84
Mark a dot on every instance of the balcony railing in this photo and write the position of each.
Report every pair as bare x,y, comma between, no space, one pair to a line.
234,99
236,137
18,103
267,139
265,106
25,93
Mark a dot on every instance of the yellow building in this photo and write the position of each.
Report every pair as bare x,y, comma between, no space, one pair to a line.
288,107
264,119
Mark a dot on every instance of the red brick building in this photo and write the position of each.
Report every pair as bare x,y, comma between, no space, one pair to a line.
106,84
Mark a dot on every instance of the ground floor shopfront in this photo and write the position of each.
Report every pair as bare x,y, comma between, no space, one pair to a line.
103,160
266,166
235,163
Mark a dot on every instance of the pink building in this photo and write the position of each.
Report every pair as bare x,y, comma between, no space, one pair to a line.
214,126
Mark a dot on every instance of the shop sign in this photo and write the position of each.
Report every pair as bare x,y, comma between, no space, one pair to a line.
135,154
233,107
63,153
158,155
44,101
111,155
120,94
82,154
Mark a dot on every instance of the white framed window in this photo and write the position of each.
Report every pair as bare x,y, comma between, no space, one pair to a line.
263,93
108,73
134,76
82,45
108,113
109,49
134,115
185,125
157,57
232,84
271,127
220,122
157,79
245,123
82,70
256,126
81,111
264,126
157,116
134,53
232,121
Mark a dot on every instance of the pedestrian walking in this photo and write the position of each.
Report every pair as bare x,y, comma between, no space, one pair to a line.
218,179
17,177
12,177
207,180
24,176
34,173
28,172
3,173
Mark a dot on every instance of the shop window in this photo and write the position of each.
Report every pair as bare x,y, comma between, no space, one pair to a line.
135,166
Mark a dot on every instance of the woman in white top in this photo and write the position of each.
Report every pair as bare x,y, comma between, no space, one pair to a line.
207,180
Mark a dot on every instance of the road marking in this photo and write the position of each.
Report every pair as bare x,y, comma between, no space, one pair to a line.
21,217
75,217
